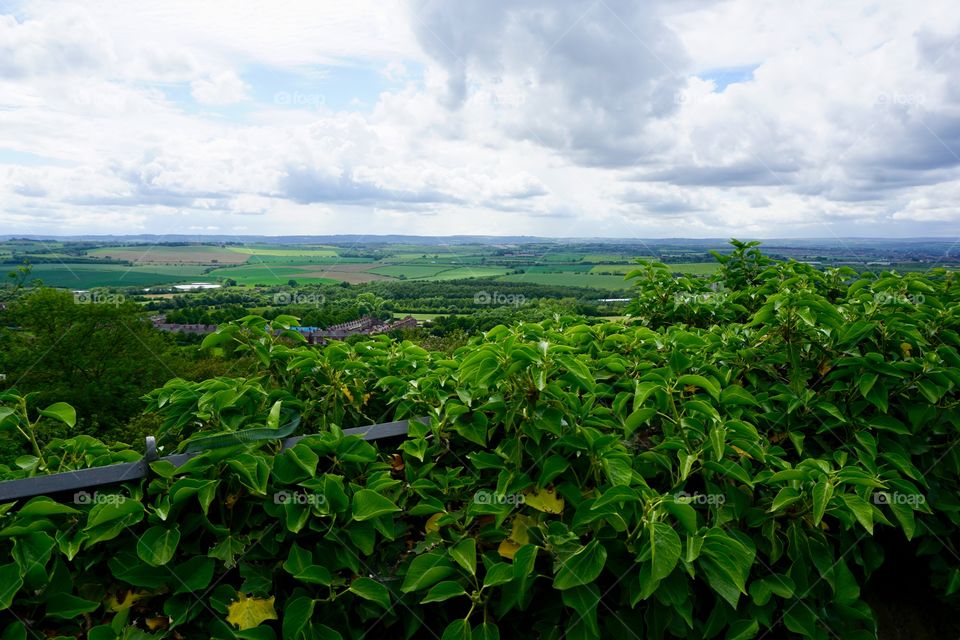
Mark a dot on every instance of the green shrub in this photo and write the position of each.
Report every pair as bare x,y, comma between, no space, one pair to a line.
650,479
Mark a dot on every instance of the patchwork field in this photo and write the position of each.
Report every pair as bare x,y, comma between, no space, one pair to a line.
266,264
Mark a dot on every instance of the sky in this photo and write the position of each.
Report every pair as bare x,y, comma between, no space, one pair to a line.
561,118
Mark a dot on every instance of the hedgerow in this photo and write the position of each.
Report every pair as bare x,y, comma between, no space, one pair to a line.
717,465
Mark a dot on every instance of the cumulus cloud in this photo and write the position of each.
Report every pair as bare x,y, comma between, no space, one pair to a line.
548,117
585,79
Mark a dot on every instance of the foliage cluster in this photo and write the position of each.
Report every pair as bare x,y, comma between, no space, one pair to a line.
706,470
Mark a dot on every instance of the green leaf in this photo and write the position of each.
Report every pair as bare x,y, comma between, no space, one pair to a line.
444,591
665,549
10,583
370,589
457,630
581,568
701,382
862,510
743,630
684,513
42,506
425,571
786,497
108,518
735,395
61,411
158,545
66,606
822,492
369,504
486,631
726,563
584,601
718,441
500,573
296,618
465,553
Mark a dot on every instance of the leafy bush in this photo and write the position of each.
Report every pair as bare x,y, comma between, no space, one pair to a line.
649,479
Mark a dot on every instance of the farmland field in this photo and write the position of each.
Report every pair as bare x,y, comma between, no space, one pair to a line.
411,271
469,272
83,276
289,252
302,259
269,274
540,268
612,283
192,254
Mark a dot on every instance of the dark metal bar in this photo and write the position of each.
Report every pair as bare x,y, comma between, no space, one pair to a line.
71,480
116,473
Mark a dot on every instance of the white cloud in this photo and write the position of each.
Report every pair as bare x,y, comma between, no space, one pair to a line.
223,88
546,117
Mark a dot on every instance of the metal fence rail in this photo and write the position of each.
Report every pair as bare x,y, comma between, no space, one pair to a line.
124,471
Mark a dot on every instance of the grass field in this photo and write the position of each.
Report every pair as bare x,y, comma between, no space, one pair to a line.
694,268
410,271
612,283
270,274
540,268
85,276
469,272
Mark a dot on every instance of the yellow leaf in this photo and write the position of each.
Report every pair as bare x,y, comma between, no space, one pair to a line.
247,613
519,532
507,549
157,623
347,393
545,500
129,599
432,526
518,537
741,452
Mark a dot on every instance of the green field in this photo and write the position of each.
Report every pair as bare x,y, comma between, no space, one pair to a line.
612,283
470,272
540,268
694,268
267,275
413,272
85,276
